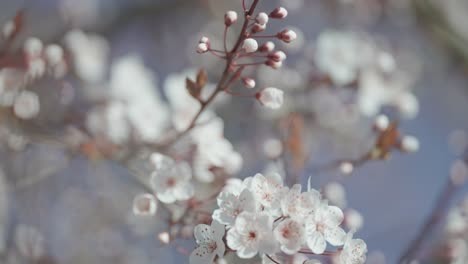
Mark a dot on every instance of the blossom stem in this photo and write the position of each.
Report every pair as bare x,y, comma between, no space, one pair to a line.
431,222
272,259
230,56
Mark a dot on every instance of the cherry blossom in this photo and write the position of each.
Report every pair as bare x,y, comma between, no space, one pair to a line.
231,205
299,205
252,234
210,243
171,180
271,97
323,226
354,250
291,235
267,191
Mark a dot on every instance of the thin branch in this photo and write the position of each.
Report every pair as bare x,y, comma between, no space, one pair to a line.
431,222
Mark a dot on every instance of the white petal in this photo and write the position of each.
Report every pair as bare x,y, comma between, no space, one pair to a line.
184,191
166,197
316,242
220,248
247,252
335,236
203,234
218,229
334,215
201,255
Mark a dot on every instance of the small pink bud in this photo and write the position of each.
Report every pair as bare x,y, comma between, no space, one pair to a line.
202,47
267,47
258,28
277,56
262,18
249,83
274,64
287,35
230,18
250,45
279,13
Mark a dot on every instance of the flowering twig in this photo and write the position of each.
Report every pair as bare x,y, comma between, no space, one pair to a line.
222,85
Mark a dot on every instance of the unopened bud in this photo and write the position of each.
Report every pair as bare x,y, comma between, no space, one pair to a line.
381,123
249,83
409,144
250,45
33,47
8,29
202,47
262,18
164,237
230,18
267,47
279,13
258,28
277,56
287,35
346,167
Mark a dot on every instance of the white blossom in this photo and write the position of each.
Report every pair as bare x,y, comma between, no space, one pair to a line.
271,97
144,204
291,235
267,191
210,243
252,234
171,180
354,251
231,205
323,226
299,205
26,105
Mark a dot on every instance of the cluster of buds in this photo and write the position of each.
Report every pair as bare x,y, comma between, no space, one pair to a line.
40,59
248,48
389,137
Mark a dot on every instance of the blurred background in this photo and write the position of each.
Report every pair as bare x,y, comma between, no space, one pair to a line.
83,208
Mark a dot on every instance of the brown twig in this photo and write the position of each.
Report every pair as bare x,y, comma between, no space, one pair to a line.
431,222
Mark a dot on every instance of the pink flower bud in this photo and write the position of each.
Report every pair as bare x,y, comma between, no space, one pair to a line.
249,83
277,56
230,18
287,35
202,47
262,18
267,47
250,45
271,97
279,13
258,28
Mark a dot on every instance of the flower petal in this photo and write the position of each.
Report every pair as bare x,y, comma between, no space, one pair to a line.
201,255
335,236
334,215
203,234
316,242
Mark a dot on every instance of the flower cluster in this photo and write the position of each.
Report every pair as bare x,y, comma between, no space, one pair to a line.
263,217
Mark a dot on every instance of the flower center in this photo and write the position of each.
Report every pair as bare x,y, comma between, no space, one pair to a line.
170,182
252,235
